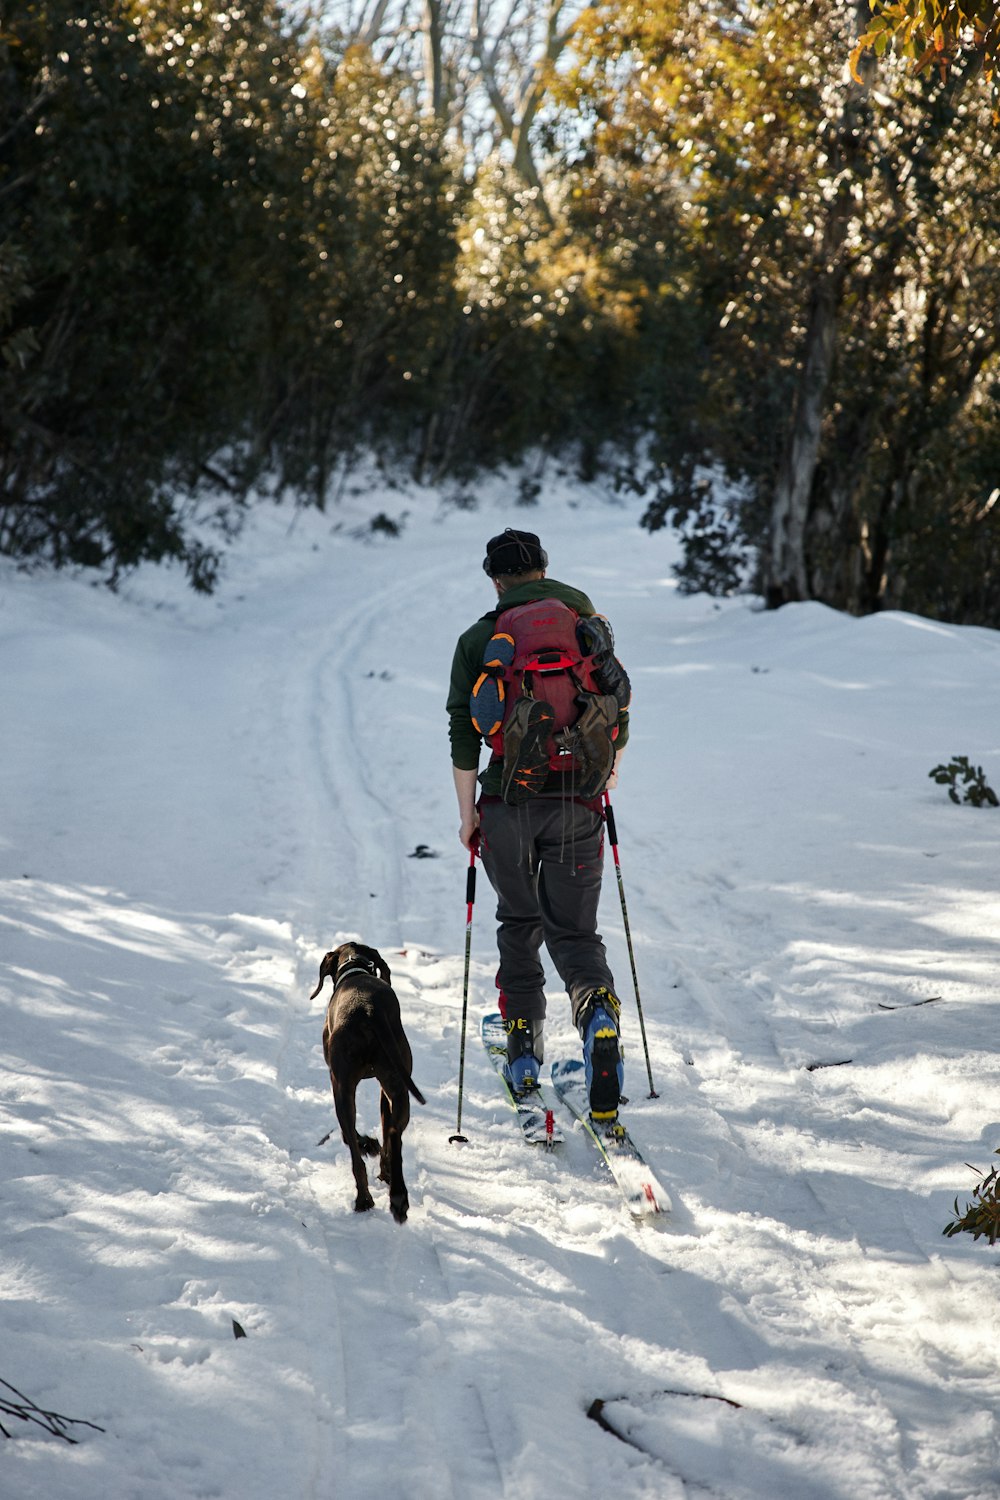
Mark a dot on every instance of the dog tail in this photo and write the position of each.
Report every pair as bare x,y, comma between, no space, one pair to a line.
389,1043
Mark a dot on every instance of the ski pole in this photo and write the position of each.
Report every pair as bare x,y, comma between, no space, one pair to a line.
613,836
470,898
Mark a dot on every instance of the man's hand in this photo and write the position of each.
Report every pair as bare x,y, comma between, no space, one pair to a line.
466,785
612,780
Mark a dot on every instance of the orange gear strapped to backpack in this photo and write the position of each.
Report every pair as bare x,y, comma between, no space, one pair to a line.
488,701
548,698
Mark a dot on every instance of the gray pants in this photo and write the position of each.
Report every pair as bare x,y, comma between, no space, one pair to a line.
544,860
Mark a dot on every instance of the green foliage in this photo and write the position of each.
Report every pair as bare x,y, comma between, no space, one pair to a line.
230,247
147,224
981,1217
801,215
960,772
17,343
250,252
713,562
368,326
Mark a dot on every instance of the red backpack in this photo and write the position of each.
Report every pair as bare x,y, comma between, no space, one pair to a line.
548,699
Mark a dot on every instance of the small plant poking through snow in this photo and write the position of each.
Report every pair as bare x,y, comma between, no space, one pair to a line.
982,1215
976,789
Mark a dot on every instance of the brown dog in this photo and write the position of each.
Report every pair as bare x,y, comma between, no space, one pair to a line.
363,1038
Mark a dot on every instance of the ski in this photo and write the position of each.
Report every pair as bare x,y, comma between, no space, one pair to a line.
534,1114
644,1197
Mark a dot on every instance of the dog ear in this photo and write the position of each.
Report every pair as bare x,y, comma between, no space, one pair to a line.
328,966
381,967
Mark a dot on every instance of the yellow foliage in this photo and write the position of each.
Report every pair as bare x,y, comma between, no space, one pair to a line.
935,33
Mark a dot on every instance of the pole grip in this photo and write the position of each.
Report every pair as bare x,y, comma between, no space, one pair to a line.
470,885
609,815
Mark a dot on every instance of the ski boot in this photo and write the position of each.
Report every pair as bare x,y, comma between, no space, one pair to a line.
524,1054
602,1053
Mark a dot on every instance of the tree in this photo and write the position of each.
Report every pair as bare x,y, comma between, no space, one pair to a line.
368,334
144,178
840,240
935,34
485,66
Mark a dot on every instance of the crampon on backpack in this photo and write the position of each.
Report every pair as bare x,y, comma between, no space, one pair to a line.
548,699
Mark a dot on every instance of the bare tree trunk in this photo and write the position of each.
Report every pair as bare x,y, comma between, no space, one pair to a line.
786,567
515,118
434,56
787,572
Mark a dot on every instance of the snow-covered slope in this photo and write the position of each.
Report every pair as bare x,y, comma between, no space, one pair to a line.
200,796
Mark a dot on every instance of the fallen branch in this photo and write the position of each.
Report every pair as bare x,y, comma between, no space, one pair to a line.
26,1410
595,1412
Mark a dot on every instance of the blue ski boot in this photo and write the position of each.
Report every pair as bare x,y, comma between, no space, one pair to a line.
602,1052
524,1053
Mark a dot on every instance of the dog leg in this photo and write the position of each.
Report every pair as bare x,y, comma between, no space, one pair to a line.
346,1114
385,1109
395,1118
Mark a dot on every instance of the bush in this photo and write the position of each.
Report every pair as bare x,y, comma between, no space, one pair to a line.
976,789
982,1215
145,161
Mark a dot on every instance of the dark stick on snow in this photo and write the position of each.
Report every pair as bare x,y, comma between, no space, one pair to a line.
595,1412
26,1410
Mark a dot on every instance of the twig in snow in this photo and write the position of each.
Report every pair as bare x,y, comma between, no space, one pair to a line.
595,1412
26,1410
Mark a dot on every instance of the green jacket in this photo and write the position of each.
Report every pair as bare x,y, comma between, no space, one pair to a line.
467,664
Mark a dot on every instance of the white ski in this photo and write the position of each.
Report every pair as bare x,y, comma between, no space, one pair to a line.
534,1113
644,1197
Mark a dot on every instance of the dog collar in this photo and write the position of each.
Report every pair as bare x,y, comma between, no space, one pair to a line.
363,966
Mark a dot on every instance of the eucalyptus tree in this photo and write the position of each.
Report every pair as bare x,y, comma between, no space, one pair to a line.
149,158
485,67
837,238
935,34
369,334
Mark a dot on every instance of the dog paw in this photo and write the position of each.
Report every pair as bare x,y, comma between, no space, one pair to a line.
363,1203
400,1208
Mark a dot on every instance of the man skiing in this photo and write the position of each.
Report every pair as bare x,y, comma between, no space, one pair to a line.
542,850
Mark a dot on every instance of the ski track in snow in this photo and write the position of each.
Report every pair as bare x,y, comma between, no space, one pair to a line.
799,1328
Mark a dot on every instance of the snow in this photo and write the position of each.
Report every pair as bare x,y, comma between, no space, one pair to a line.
200,796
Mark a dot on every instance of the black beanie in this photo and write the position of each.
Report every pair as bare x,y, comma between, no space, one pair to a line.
514,552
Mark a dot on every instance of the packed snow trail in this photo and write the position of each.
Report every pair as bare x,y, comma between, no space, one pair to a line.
202,796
